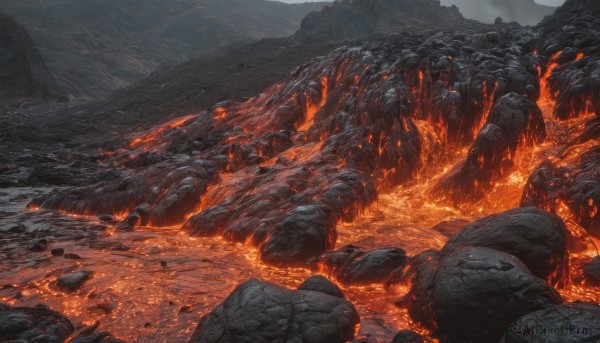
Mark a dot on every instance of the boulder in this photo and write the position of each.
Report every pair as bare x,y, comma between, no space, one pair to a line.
538,238
305,232
352,265
407,336
72,282
592,271
33,324
488,289
258,312
318,283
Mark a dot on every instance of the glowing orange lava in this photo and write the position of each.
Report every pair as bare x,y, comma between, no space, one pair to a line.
198,273
151,138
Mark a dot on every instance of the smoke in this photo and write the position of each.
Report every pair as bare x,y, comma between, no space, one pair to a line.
526,12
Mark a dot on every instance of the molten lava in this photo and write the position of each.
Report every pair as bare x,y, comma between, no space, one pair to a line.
376,164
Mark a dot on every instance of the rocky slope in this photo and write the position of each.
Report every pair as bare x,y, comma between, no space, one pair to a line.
351,19
94,47
23,75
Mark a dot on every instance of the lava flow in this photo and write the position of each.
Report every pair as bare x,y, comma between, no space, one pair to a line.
377,166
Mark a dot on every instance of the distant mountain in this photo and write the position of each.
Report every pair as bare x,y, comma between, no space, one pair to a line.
242,70
351,19
96,46
525,12
23,75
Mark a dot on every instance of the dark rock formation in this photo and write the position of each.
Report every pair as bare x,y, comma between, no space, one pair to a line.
261,312
513,122
592,271
33,324
536,237
23,75
352,265
570,36
101,337
573,322
304,232
38,245
407,336
319,283
154,197
41,324
351,19
486,288
72,282
575,186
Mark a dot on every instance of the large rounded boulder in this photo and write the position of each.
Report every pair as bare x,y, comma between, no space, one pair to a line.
33,324
538,238
260,312
474,293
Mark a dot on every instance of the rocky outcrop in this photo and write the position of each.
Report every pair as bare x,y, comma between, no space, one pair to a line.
23,74
351,265
487,288
33,324
574,186
536,237
359,18
258,312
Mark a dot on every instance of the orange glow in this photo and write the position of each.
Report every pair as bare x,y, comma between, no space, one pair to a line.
313,107
201,272
488,103
547,99
151,138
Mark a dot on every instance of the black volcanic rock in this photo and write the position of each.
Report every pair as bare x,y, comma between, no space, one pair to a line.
575,186
352,265
137,192
358,18
33,324
38,245
41,324
592,271
95,47
514,120
407,336
257,312
72,282
536,237
23,75
573,322
319,283
304,232
101,337
486,288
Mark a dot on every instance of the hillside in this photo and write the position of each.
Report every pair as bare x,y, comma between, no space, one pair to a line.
23,75
96,46
351,19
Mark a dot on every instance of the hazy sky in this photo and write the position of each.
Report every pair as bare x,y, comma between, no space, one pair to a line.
545,2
